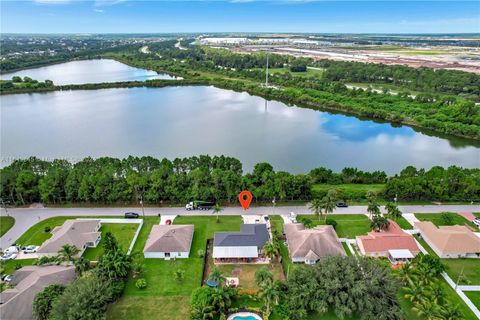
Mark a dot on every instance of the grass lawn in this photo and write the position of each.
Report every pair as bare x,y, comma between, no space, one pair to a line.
436,218
5,224
9,266
277,224
159,308
247,273
348,225
403,223
474,296
123,232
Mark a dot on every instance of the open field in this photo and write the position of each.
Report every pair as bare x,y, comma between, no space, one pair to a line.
348,226
123,232
157,308
5,224
348,189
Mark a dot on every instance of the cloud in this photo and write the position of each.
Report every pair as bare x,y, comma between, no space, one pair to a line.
99,10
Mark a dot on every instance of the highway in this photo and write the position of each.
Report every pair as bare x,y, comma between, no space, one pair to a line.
27,217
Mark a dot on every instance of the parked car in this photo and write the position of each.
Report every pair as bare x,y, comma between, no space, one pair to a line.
12,249
7,277
8,256
476,222
131,215
342,205
30,249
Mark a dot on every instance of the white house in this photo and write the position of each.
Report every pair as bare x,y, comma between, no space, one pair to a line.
169,241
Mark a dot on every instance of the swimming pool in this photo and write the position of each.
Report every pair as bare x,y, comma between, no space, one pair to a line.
244,316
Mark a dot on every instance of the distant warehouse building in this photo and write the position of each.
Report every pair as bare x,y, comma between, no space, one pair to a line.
450,241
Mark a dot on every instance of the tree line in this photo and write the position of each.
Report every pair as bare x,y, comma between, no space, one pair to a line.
109,180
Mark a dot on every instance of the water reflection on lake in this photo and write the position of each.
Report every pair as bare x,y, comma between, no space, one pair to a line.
184,121
87,71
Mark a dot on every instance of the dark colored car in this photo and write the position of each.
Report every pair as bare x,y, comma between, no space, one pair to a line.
131,215
342,205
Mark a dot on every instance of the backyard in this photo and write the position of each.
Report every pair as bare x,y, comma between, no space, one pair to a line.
440,220
5,224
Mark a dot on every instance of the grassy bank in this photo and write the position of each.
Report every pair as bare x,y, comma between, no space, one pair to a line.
5,224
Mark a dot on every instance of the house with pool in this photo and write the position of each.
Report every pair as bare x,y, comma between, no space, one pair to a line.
244,246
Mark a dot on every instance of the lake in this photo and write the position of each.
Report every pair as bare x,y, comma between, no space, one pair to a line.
87,71
184,121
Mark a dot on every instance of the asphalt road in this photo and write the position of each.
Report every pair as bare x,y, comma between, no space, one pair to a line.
27,217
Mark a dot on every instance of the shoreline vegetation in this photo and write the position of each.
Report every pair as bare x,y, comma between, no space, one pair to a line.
440,110
219,179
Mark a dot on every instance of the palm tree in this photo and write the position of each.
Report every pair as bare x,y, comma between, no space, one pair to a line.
393,211
379,223
269,294
414,293
451,312
406,273
216,275
373,209
221,299
68,252
204,312
426,310
263,276
316,206
216,210
329,202
271,250
81,265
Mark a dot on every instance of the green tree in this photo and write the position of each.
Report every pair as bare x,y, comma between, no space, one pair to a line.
393,211
426,310
271,250
329,202
42,304
216,210
81,265
263,276
451,312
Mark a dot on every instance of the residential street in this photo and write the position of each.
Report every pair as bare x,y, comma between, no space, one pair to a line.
27,217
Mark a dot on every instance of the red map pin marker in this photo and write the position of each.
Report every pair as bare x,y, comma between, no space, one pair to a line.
245,197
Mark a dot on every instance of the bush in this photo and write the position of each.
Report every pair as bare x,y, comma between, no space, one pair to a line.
332,223
201,253
47,229
141,283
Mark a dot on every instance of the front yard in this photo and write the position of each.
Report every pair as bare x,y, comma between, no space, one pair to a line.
348,225
437,219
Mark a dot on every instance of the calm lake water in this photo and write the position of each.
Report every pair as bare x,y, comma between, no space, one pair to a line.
183,121
87,71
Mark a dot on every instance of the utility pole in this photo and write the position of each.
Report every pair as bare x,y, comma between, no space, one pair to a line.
266,74
273,201
141,203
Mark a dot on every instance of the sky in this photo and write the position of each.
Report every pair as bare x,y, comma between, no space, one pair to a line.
309,16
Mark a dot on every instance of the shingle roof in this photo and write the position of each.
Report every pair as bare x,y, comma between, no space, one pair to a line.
73,232
312,244
170,238
17,302
249,235
393,238
450,239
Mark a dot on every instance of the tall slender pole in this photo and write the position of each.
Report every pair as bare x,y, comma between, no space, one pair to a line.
141,202
266,74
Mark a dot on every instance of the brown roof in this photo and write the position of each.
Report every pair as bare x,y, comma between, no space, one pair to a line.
391,239
312,244
17,302
450,239
169,238
73,232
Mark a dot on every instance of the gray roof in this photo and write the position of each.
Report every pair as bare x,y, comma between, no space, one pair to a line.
73,232
169,238
249,235
17,302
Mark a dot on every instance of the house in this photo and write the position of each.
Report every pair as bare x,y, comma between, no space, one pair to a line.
169,241
243,246
450,241
310,245
80,233
393,243
17,302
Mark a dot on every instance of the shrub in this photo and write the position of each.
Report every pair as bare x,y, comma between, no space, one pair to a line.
201,253
141,283
47,229
332,223
42,305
